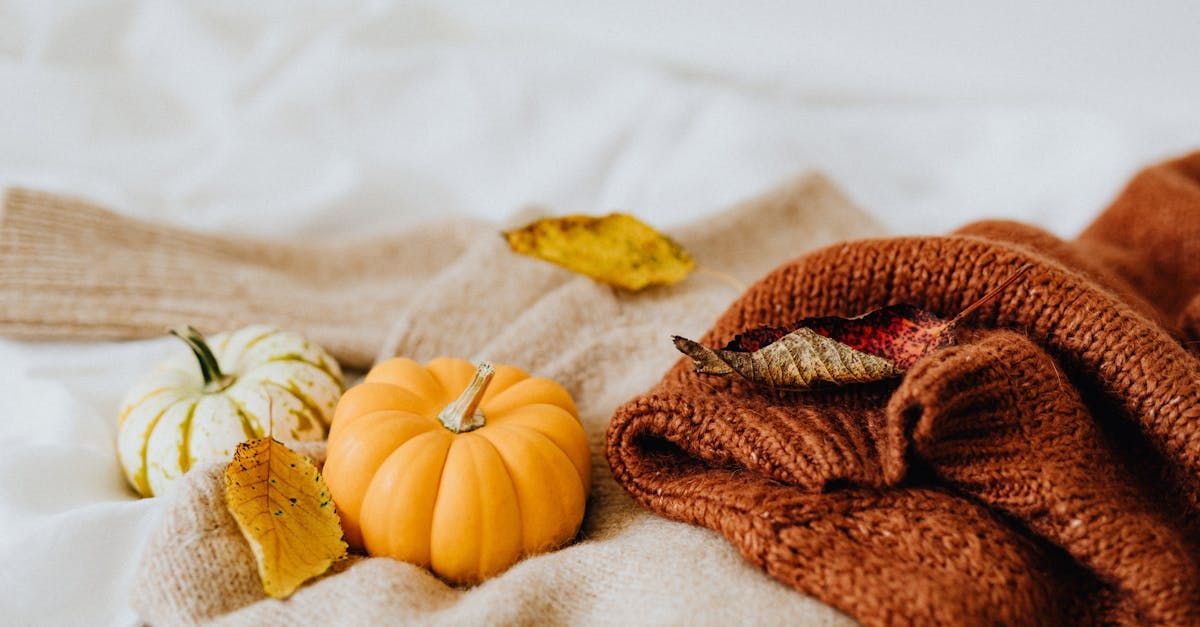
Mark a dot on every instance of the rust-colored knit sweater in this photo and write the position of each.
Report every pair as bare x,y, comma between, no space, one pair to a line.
1046,470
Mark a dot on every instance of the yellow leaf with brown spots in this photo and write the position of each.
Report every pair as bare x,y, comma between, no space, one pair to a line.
617,249
283,508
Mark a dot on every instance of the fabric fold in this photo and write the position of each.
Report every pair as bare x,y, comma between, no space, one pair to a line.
999,422
603,345
1044,474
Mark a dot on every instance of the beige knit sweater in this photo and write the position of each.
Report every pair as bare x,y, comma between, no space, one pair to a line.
71,270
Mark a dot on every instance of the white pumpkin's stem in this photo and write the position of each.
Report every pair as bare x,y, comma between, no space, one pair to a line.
463,414
214,380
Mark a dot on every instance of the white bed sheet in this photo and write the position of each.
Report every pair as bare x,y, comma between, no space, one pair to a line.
326,120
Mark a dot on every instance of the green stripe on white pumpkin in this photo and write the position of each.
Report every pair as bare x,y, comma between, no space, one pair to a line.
139,420
197,407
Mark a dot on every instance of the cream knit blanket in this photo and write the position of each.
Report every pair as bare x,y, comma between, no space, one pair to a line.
71,270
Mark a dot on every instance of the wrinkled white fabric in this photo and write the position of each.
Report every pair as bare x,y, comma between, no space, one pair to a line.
276,119
70,529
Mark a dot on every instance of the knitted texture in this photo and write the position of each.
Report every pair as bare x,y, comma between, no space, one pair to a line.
1045,470
72,270
471,297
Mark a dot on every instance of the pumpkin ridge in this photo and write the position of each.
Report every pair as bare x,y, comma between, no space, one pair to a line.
131,407
506,415
476,474
435,405
407,374
298,358
449,392
437,494
223,343
527,431
433,423
247,429
142,478
500,385
237,363
366,394
508,475
288,375
517,417
185,457
494,542
541,447
313,410
576,482
362,454
545,391
466,529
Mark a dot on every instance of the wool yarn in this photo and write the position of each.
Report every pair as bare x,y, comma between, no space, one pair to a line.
1044,470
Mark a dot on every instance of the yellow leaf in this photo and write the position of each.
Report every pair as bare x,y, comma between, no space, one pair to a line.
283,508
617,249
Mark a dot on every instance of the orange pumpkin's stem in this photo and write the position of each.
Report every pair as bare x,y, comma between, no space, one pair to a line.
463,414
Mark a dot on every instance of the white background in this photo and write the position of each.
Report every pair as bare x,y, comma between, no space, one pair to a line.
311,120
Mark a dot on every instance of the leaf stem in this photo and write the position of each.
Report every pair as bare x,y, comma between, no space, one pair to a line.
724,277
463,414
214,380
989,296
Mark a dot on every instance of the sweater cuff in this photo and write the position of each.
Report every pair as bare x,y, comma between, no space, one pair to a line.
999,421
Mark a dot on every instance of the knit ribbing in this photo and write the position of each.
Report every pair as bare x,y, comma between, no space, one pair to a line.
999,421
1037,476
71,270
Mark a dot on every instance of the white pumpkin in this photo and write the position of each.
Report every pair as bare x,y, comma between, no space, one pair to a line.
199,406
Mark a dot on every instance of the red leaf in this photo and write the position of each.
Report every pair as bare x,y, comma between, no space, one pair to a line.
898,335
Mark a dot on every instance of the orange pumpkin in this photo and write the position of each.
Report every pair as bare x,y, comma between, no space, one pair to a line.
458,468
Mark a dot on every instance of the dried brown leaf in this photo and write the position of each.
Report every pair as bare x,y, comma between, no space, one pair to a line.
875,346
794,361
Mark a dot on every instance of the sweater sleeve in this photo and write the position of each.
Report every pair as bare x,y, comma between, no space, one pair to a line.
800,500
71,270
999,422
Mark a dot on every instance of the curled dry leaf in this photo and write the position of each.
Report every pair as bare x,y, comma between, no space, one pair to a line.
617,249
875,346
284,510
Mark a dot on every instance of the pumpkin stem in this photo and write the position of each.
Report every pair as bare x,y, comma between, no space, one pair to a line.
214,380
463,414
